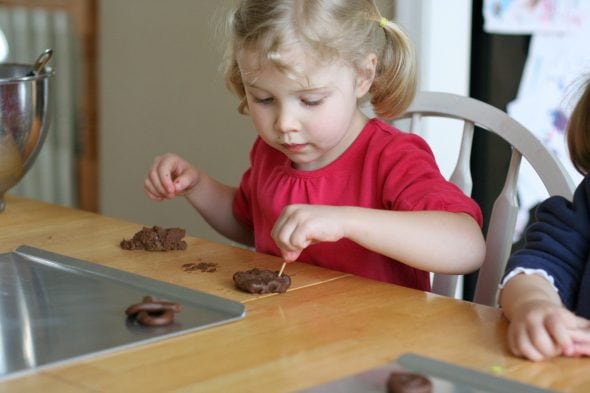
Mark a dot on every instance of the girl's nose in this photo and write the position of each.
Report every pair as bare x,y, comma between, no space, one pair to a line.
286,120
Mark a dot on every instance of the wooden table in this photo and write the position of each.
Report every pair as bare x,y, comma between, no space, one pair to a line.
329,325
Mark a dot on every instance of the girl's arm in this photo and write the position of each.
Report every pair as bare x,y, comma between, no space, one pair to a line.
558,242
435,241
540,326
441,242
171,176
213,200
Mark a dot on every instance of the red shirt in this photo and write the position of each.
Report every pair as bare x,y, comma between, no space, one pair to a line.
384,168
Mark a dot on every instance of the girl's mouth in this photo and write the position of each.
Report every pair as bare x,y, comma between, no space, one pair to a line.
294,147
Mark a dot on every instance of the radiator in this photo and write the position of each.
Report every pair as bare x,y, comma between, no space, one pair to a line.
28,32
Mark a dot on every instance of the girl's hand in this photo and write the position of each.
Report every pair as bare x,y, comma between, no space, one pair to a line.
581,337
298,226
542,330
169,177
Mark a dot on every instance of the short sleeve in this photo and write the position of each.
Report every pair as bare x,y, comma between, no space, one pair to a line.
413,181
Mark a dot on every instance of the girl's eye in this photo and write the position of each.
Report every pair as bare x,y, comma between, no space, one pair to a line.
311,102
264,101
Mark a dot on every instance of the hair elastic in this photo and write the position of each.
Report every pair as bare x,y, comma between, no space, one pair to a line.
383,22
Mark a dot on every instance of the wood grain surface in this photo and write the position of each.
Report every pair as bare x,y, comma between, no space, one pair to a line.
327,326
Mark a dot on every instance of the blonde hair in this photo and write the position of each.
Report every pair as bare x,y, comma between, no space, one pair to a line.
578,131
347,30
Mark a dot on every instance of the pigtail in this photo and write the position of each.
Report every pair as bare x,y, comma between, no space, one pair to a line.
394,86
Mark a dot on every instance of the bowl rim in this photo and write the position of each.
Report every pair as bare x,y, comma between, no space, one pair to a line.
46,73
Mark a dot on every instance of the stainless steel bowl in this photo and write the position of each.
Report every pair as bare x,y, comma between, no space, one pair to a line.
23,120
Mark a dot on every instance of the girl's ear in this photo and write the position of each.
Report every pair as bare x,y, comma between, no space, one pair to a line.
366,75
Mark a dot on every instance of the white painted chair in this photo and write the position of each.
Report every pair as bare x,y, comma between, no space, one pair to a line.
502,221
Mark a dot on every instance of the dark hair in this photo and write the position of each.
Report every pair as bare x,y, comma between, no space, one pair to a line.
578,131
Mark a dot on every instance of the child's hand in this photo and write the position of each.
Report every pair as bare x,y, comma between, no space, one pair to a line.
581,337
168,177
541,330
298,226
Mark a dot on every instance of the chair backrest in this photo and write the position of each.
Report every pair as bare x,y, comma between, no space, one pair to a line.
502,221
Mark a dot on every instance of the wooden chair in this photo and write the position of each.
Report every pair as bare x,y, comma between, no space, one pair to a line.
502,222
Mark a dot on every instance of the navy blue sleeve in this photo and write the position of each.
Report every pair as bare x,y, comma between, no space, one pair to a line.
559,242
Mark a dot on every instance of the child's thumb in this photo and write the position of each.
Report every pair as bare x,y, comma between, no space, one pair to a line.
181,183
290,256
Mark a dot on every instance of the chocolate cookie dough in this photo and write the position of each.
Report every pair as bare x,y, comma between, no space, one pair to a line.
152,312
201,266
407,382
262,281
156,239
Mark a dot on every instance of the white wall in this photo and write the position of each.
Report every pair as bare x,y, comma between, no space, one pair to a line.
161,90
441,31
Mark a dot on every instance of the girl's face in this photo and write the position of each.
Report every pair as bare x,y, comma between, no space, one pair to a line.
312,119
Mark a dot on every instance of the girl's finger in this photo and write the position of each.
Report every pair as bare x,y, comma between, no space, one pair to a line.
559,333
150,193
583,323
182,183
581,349
521,345
580,335
156,185
290,256
281,234
542,341
165,177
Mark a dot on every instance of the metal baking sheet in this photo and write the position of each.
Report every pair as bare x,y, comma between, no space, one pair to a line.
445,378
54,308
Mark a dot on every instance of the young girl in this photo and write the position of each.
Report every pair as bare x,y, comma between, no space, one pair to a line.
326,185
546,291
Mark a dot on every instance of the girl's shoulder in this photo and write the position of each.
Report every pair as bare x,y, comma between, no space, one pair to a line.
558,211
580,199
387,130
386,137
